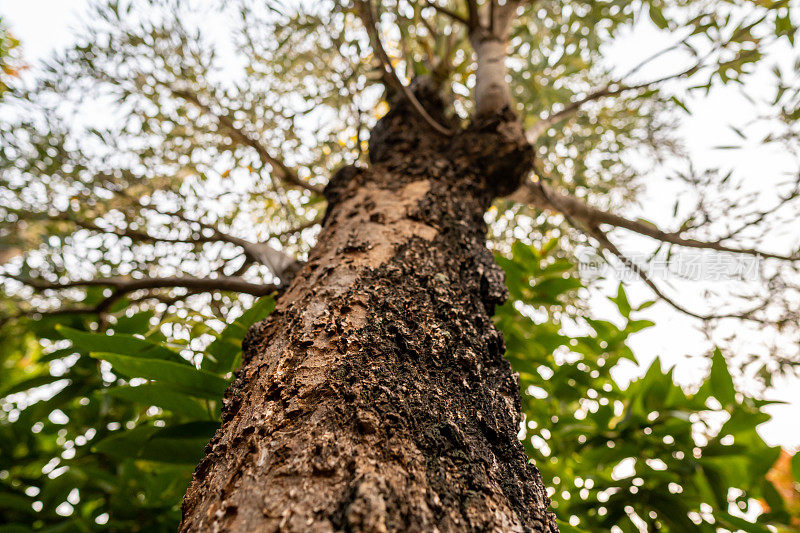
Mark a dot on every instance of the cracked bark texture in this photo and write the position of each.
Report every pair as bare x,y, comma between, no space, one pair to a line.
376,396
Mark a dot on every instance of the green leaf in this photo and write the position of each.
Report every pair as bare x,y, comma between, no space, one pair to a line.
17,502
28,383
772,496
176,451
737,523
223,353
645,305
621,299
564,527
125,443
179,376
14,528
259,311
719,488
549,289
138,323
796,467
181,444
680,103
638,325
161,396
657,16
201,429
118,344
720,381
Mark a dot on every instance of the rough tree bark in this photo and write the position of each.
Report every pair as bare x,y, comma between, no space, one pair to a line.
376,396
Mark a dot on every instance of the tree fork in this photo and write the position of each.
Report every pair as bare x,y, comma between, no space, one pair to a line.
376,396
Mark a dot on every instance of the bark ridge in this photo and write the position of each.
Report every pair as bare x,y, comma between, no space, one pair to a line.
376,397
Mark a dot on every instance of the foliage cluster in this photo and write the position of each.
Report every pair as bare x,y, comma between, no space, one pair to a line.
100,430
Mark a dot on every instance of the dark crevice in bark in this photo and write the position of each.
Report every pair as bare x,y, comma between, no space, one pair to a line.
376,396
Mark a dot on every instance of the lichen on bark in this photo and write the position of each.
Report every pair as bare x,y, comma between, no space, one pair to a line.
376,396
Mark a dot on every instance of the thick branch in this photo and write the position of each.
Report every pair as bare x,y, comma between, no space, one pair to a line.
501,17
490,41
492,92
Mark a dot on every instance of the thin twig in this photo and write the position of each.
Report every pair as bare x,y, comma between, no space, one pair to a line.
474,20
130,284
543,197
365,10
653,57
447,12
286,174
606,244
616,88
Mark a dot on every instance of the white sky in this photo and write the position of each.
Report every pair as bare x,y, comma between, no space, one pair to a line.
45,25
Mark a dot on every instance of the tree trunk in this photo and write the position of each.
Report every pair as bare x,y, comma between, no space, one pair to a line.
376,396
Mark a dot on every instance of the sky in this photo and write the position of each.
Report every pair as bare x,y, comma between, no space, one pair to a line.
676,338
47,25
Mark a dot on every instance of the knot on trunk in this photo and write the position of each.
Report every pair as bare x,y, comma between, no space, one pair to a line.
496,148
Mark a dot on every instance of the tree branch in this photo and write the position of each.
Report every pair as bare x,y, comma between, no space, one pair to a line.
612,89
501,17
286,174
653,57
122,286
606,244
126,285
761,215
282,265
134,235
474,19
447,12
297,229
615,88
593,230
365,11
544,197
